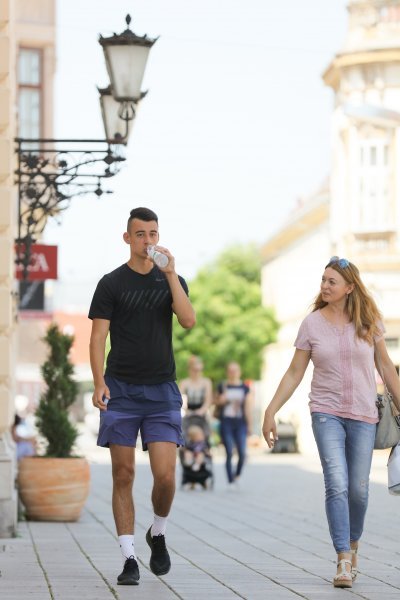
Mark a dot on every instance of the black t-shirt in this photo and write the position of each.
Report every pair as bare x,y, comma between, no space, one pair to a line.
139,308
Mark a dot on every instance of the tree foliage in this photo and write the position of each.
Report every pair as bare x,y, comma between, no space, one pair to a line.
52,418
231,322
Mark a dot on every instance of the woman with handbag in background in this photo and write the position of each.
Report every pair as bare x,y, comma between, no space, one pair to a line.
343,337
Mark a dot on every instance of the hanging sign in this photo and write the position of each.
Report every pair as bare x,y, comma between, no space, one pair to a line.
43,263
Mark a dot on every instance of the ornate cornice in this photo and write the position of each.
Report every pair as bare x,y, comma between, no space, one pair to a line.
331,75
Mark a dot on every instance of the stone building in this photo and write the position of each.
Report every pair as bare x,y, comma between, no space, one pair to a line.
27,63
357,213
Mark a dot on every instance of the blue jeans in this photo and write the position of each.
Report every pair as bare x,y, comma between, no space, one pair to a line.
234,433
345,448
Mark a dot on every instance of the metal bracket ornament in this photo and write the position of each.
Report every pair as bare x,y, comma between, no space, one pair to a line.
50,173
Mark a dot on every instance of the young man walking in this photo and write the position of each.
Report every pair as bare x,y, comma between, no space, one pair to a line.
135,304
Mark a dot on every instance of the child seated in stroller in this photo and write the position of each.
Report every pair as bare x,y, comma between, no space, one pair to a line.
196,448
195,455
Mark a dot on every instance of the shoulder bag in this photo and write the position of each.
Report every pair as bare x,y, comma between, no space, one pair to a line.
394,471
388,429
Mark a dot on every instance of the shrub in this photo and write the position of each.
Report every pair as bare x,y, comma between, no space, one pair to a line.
52,413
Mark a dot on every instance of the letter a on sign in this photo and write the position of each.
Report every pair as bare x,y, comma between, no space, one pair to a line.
43,263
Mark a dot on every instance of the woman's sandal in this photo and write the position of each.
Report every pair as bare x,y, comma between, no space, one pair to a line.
343,579
354,570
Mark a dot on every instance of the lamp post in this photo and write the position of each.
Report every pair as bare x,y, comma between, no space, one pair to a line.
52,171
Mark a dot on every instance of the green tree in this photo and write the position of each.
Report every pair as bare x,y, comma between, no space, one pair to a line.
52,418
231,322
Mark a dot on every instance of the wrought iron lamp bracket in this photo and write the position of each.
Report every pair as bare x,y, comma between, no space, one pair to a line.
50,173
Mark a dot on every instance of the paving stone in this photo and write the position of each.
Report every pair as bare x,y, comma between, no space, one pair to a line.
268,539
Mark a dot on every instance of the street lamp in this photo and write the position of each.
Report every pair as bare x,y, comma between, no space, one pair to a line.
126,56
52,171
117,116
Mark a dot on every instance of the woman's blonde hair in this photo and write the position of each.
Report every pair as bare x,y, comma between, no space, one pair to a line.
194,361
361,307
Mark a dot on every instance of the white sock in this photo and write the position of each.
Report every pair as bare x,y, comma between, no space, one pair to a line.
127,546
159,525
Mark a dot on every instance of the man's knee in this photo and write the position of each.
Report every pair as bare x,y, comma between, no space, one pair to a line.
165,479
123,475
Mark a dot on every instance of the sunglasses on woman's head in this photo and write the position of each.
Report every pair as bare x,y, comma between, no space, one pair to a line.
342,262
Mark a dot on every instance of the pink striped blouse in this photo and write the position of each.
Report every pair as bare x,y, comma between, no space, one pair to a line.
343,381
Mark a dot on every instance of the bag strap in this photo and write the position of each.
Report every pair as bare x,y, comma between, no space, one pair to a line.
393,407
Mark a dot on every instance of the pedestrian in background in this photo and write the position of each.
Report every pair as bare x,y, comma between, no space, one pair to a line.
23,437
135,303
196,389
343,337
234,405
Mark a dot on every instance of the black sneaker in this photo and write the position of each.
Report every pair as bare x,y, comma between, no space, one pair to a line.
160,563
130,574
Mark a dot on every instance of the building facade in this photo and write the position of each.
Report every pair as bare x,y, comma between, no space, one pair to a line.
358,214
27,62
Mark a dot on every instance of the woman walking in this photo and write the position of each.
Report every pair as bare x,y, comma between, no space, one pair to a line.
343,337
196,389
234,402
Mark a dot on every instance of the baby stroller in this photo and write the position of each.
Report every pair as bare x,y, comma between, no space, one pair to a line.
195,457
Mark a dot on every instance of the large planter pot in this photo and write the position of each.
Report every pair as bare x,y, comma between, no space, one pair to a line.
53,489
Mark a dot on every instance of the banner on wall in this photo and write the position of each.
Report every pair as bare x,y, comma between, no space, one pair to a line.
43,263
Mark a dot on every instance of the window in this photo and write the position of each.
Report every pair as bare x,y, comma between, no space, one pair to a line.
374,207
29,93
372,153
30,107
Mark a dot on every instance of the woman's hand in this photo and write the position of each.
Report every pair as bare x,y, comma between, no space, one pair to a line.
269,429
221,399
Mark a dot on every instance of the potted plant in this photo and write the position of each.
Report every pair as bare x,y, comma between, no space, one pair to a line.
54,487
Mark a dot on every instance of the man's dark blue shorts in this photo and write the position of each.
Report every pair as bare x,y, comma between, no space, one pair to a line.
154,410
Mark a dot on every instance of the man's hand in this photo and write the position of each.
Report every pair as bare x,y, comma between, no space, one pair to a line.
170,268
100,391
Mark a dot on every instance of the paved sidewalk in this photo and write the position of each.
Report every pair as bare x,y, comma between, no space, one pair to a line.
268,539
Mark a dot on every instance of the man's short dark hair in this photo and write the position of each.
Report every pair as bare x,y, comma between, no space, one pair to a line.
144,214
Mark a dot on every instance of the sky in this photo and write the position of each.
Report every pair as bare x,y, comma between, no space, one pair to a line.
234,131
